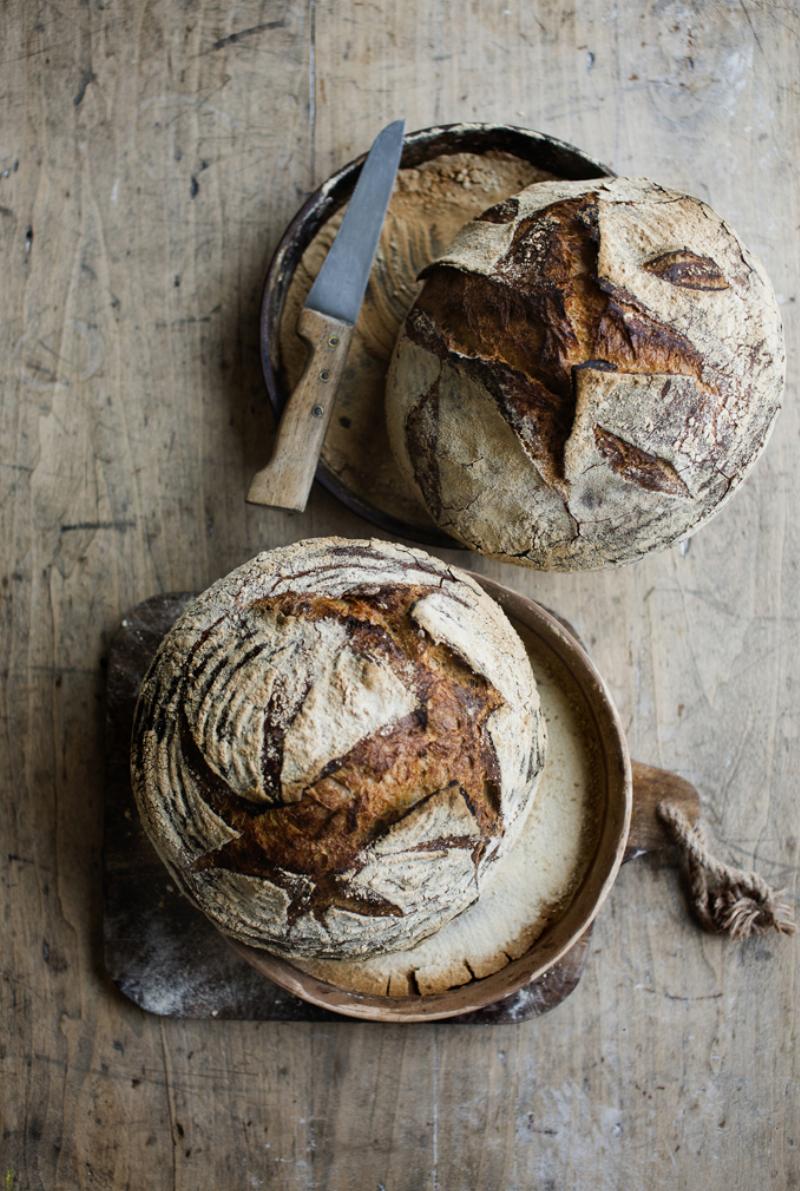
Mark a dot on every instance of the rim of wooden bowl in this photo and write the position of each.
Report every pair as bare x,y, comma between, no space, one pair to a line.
546,152
561,934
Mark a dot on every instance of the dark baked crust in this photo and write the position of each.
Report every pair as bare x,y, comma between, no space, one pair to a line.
587,374
525,330
442,744
333,746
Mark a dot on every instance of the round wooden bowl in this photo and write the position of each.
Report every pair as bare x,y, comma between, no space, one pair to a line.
356,463
614,787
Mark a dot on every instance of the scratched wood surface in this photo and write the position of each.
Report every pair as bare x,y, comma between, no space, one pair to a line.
150,155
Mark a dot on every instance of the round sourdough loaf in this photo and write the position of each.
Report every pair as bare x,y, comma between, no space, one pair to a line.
586,375
333,745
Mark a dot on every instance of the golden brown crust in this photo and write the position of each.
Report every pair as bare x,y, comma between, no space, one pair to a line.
442,743
541,314
529,311
314,727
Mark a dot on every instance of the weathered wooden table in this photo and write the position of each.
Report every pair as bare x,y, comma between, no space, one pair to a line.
150,155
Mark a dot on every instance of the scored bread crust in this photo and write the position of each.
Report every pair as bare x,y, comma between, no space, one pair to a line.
587,374
334,744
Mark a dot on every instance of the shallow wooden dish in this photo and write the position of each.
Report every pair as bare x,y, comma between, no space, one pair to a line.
356,464
612,840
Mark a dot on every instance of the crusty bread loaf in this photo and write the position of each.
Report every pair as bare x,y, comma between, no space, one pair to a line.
587,374
333,745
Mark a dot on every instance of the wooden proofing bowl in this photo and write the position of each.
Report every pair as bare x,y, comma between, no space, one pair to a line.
615,791
168,958
448,175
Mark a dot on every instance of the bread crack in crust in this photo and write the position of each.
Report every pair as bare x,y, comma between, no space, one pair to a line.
333,746
586,375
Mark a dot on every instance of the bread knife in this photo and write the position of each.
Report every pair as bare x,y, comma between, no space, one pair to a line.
326,323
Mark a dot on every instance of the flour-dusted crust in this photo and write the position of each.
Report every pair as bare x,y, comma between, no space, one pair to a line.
333,746
587,375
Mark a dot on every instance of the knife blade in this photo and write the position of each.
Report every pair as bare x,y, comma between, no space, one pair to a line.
326,323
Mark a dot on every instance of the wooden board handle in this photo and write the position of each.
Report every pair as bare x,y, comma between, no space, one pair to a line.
286,480
651,786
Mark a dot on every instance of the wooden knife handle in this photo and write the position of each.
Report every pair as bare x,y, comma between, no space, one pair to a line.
286,480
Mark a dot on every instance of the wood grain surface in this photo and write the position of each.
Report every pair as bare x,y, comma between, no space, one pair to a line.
285,481
150,155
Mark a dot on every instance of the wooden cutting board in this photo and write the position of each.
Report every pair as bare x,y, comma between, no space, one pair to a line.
164,955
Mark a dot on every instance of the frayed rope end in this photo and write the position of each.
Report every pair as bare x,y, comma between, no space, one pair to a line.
725,899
